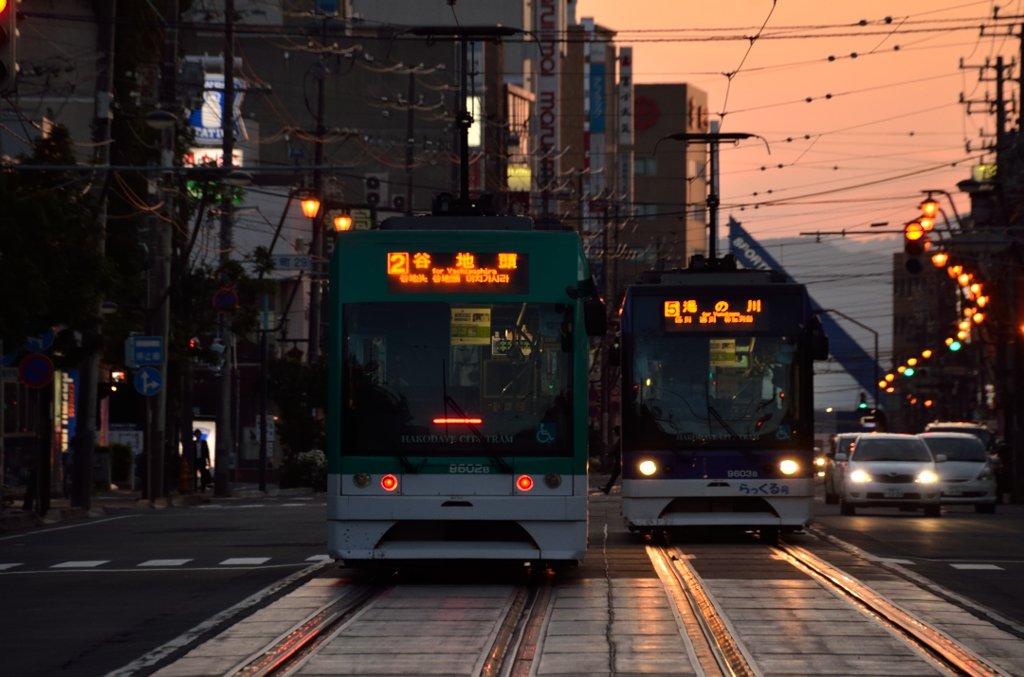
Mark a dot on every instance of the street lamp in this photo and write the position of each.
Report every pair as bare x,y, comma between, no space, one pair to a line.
310,207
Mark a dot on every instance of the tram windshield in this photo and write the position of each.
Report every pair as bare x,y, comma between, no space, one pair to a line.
716,387
457,379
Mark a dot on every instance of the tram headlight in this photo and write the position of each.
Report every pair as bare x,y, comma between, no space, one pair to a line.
927,477
553,480
859,476
789,467
361,480
648,468
389,482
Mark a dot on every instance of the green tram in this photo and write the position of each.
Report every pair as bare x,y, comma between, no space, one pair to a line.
457,404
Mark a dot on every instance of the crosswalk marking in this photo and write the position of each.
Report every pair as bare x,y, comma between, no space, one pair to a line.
165,563
319,558
978,567
81,564
244,561
5,567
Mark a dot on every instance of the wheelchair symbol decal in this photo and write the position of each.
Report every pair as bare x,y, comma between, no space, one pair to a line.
545,433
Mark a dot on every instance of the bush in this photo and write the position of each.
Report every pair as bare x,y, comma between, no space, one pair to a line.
308,469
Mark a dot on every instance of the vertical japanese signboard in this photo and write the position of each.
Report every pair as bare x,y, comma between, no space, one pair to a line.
547,92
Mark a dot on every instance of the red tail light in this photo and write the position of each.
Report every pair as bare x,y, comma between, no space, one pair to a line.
472,421
389,482
524,483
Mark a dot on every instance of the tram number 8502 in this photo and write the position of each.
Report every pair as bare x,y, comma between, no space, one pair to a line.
468,468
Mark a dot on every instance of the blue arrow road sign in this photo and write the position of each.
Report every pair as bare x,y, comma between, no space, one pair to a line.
38,344
148,381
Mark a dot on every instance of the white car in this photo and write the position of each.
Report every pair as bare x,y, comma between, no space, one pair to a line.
889,471
968,476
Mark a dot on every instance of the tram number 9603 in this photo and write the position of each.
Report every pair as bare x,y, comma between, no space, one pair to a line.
468,469
742,473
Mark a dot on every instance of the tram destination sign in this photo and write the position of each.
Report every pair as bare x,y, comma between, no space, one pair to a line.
464,272
736,312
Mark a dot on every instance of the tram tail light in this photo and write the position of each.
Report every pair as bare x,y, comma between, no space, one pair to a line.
789,467
466,421
648,468
524,483
389,482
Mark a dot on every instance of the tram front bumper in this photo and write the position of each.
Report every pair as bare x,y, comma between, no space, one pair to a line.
753,503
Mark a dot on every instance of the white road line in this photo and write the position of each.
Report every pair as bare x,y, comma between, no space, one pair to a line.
5,567
978,567
165,563
88,523
156,655
314,558
81,564
893,560
244,561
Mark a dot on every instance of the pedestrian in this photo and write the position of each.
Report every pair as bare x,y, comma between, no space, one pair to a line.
617,468
202,452
67,464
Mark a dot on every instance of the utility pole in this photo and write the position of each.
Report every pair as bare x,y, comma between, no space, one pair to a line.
410,130
317,245
90,373
225,439
713,140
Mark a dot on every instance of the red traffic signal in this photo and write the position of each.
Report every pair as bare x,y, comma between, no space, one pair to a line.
915,240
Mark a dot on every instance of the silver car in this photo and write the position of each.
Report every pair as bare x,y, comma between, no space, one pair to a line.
841,443
968,475
889,471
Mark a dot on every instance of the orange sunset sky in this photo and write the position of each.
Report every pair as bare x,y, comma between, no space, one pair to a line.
892,126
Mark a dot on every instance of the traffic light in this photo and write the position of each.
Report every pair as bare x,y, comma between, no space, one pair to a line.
8,44
914,241
863,401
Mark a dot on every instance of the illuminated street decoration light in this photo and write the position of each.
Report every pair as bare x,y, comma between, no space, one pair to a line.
926,354
939,259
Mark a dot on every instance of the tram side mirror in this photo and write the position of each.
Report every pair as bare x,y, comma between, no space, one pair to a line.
595,318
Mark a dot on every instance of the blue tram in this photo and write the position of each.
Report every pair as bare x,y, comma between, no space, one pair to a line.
718,411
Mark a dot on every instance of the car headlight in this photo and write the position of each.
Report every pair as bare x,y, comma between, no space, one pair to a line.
819,461
859,476
985,474
927,477
648,468
789,467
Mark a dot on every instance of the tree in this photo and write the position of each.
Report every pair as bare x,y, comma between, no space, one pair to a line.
51,268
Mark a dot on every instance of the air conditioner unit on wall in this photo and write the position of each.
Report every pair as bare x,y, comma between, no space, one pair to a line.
398,203
376,189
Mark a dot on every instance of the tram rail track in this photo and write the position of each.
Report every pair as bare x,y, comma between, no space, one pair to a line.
710,624
510,651
944,651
